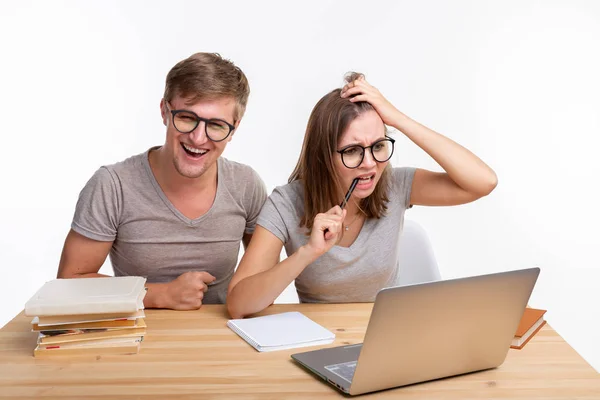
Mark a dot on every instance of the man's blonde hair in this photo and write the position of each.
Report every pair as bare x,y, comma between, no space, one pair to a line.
208,76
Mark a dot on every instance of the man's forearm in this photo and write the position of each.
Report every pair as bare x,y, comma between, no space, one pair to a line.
88,275
156,296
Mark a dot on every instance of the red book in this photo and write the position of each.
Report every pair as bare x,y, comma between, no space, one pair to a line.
531,322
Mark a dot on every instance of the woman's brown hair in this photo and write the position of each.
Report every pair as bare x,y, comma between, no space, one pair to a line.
328,120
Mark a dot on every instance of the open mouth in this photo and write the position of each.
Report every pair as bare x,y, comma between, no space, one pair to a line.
193,152
366,179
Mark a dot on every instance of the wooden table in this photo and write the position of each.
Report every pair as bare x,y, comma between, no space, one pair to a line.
193,355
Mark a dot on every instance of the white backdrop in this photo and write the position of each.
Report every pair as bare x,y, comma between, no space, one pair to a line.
516,82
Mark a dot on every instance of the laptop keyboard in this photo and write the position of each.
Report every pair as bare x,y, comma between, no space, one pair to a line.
344,370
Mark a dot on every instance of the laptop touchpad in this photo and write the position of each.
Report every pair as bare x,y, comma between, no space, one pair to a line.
343,370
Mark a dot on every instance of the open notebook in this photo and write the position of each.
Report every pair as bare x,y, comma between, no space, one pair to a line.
281,331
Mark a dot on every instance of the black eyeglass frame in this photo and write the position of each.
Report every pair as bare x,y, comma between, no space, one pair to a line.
200,119
362,158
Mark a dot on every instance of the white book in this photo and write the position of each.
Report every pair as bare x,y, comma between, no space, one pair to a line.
281,331
124,294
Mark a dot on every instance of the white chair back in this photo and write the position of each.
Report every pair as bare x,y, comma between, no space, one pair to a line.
417,260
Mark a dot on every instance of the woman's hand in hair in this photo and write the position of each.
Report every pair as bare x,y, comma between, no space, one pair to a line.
326,232
360,90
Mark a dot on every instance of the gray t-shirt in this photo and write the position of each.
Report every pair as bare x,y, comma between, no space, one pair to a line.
343,274
124,203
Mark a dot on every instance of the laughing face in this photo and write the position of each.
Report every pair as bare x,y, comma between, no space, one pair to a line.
364,130
194,153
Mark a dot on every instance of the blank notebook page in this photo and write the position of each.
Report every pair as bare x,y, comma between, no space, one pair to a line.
281,331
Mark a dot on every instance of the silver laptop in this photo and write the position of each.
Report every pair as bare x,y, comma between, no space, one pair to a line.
429,331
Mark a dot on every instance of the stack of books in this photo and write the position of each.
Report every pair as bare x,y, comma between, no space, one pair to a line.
91,316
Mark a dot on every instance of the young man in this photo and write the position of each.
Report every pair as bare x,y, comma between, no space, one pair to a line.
176,213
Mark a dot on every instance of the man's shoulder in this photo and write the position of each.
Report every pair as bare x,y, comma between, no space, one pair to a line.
128,167
236,173
126,172
230,166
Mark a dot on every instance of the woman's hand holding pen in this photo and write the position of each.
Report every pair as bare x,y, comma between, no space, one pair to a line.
327,230
322,239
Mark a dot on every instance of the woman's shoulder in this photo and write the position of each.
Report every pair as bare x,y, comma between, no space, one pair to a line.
401,177
286,201
292,192
401,185
402,172
283,210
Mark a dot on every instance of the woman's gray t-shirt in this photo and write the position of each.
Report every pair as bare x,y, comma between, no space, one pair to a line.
343,274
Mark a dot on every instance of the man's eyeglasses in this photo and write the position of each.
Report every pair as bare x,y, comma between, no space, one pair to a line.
216,129
381,150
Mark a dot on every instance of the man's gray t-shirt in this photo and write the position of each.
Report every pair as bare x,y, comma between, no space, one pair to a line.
343,274
124,203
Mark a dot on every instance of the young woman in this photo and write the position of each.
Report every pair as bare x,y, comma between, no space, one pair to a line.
348,255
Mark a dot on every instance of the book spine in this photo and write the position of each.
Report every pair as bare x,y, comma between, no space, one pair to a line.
243,335
82,308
